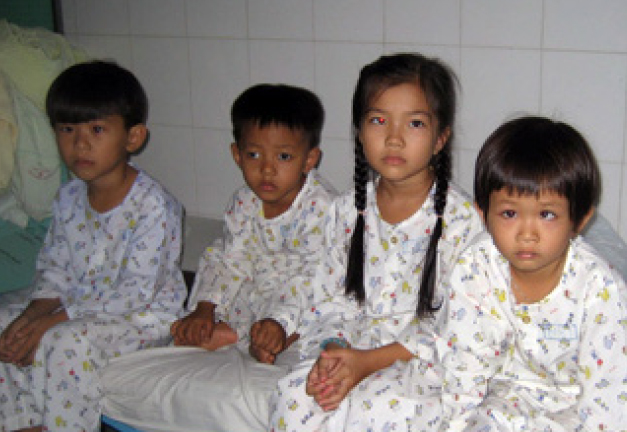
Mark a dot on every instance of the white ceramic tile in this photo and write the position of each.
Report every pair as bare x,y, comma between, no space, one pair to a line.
348,20
219,73
588,90
217,18
68,16
610,198
337,162
502,23
282,61
102,17
586,25
157,17
169,157
623,212
422,21
162,65
464,164
496,84
337,70
448,54
280,19
116,48
218,177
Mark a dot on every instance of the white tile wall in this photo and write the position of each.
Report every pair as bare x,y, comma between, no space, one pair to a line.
563,58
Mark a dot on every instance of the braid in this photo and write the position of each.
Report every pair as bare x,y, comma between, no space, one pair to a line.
355,270
442,166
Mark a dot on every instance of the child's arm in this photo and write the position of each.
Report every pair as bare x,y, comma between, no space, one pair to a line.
339,370
226,266
469,341
305,250
603,356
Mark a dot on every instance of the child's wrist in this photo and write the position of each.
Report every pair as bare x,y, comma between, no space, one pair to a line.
340,342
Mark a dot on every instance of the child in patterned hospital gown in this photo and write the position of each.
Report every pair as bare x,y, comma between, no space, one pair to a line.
375,306
108,279
536,333
245,306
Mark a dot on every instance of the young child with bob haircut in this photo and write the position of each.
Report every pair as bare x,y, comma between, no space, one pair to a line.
535,335
108,280
388,244
244,293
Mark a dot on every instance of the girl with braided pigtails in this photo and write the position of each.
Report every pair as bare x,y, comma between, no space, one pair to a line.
370,361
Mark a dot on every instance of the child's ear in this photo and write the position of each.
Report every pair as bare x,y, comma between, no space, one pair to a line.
236,155
442,140
136,137
313,157
585,220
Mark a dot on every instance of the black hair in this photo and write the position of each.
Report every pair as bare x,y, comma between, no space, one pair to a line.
279,104
438,82
94,90
531,155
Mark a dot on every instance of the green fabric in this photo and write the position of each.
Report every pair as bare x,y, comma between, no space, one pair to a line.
18,253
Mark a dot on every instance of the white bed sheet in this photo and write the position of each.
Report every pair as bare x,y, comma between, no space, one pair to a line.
178,392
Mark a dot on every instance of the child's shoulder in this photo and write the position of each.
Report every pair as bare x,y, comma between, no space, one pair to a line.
317,194
591,263
147,191
458,200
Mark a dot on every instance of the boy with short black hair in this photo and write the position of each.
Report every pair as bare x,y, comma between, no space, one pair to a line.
244,292
108,279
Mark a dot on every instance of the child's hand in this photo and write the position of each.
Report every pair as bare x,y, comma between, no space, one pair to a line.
24,335
267,340
335,374
196,328
9,340
317,380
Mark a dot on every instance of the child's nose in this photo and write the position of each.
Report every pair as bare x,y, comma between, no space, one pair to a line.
268,166
394,136
81,140
528,231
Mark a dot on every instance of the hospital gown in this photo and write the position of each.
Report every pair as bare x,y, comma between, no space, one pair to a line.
559,364
118,277
404,396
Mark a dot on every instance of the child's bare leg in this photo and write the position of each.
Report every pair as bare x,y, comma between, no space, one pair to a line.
222,335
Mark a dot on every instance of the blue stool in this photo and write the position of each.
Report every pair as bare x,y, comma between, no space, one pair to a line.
117,425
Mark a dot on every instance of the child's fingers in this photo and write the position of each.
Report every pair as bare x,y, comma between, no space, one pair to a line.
262,355
330,400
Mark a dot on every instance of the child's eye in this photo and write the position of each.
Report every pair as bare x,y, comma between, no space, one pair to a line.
508,214
285,156
417,123
97,129
548,215
64,128
252,155
377,120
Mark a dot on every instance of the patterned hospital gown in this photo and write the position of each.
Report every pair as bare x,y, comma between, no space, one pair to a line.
404,396
556,365
247,274
118,277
